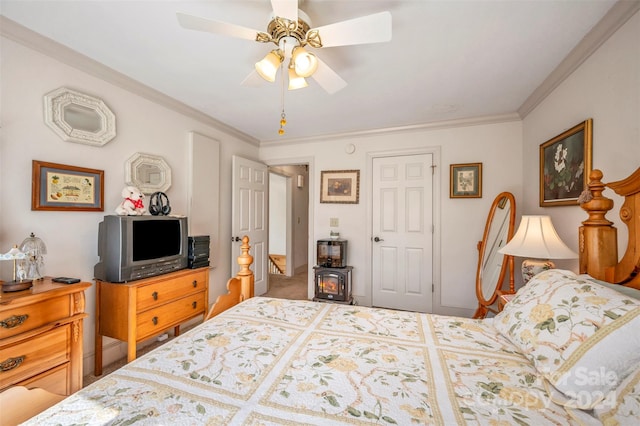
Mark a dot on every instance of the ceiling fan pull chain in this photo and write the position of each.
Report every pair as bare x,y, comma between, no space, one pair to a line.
283,116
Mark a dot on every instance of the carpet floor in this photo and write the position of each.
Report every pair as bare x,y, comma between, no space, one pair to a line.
293,287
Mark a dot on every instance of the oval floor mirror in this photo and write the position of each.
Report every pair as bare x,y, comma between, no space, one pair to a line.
493,266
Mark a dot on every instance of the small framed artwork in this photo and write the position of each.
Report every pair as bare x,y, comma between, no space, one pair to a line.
565,164
340,186
465,180
61,187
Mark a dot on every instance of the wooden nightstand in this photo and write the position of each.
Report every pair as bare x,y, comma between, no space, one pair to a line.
503,299
140,309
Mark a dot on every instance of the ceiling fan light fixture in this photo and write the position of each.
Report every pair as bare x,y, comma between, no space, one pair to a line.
305,63
296,81
268,66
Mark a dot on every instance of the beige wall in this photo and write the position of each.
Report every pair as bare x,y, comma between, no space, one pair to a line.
142,126
459,222
606,88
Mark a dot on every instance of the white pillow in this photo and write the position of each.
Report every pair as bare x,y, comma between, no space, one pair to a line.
582,337
622,406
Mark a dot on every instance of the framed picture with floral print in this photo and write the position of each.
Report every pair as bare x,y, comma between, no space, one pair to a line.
565,164
465,180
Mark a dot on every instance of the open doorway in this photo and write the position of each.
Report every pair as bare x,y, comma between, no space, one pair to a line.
288,231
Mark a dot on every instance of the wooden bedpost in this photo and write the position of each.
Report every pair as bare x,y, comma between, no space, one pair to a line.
245,275
598,248
598,238
627,271
240,287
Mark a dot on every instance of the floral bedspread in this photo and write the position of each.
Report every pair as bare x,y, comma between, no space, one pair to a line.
272,361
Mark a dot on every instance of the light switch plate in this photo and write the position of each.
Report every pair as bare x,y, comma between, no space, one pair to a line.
333,222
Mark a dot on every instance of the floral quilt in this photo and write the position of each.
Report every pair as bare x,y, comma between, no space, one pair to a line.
272,362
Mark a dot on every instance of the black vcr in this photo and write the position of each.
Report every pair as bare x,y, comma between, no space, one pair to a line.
198,256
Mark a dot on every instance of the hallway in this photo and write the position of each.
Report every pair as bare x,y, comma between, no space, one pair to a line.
294,287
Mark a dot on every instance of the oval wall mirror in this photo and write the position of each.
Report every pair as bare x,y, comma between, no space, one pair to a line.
149,173
78,117
492,266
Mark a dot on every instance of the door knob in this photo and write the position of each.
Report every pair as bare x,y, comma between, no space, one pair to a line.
236,239
377,240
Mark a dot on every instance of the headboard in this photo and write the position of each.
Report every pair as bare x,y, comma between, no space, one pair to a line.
598,246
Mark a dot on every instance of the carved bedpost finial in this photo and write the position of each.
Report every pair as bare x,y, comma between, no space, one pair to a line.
245,274
597,206
597,245
245,259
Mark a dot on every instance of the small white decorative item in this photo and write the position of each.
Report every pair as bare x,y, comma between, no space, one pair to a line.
133,203
334,235
18,283
35,249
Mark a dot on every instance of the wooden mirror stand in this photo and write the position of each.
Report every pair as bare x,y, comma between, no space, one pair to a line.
492,266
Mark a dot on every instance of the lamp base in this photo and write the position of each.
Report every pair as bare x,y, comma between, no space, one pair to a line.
532,267
11,286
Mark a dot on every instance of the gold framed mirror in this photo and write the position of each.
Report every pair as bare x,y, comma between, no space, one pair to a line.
493,266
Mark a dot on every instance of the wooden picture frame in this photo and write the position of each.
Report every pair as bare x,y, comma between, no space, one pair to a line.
465,180
565,164
62,187
340,186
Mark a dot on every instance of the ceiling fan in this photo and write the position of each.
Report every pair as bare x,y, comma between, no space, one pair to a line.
290,30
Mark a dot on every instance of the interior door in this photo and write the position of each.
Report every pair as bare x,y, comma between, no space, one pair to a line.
249,216
402,219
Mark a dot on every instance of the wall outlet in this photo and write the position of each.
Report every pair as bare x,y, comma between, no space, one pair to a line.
333,222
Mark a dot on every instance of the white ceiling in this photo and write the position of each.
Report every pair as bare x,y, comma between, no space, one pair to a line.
448,60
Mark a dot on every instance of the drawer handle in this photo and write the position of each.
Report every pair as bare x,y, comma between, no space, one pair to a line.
195,283
154,320
11,363
155,295
194,305
14,321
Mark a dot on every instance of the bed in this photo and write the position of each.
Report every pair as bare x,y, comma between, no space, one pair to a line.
565,350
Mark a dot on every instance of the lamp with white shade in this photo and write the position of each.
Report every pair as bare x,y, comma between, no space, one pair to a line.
537,240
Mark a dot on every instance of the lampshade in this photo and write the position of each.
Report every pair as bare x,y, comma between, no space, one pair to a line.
305,63
13,254
268,66
295,81
536,237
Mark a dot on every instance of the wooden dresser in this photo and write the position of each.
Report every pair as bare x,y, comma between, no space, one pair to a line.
140,309
41,336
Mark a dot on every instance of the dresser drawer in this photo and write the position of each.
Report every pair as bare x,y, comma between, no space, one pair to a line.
54,380
34,356
18,320
155,321
149,296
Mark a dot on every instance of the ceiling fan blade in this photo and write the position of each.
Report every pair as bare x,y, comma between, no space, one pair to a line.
285,9
197,23
328,79
253,80
374,28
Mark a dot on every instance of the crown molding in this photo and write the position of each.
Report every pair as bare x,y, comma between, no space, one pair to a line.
448,124
28,38
615,18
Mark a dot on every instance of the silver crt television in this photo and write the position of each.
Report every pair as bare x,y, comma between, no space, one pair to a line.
136,247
